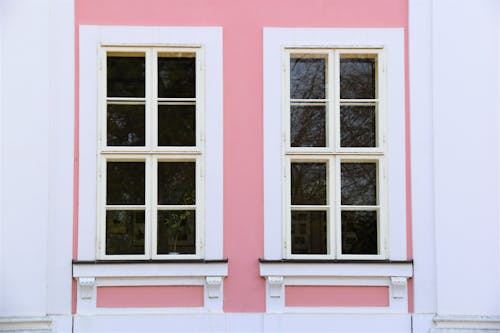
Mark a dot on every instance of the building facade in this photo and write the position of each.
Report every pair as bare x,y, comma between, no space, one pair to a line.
255,166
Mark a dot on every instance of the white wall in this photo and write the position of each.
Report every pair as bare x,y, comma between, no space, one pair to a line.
36,146
465,107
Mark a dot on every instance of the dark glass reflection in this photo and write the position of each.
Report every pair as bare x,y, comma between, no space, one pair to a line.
357,126
358,183
125,77
308,183
124,232
357,78
125,183
176,232
125,125
177,77
309,232
176,183
307,126
176,125
359,232
307,78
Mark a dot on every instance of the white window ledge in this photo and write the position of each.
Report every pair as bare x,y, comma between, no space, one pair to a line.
150,268
336,268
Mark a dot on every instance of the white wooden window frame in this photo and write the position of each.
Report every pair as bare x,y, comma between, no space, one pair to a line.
333,154
207,41
150,153
390,153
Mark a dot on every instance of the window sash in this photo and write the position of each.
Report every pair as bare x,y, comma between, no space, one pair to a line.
333,154
150,153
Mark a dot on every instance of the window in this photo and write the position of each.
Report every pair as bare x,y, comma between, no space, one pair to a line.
151,153
334,153
335,156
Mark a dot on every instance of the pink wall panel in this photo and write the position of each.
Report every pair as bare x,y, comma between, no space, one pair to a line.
149,296
242,22
336,296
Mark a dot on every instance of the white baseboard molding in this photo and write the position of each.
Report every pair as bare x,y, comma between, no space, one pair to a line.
25,324
465,324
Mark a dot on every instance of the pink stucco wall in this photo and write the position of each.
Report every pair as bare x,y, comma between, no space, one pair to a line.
337,296
242,23
149,296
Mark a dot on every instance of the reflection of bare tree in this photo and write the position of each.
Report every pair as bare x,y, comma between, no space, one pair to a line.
357,78
308,186
359,183
176,183
307,78
125,125
357,126
307,126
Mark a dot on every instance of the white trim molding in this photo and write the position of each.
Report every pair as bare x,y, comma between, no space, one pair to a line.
279,274
23,324
208,274
463,324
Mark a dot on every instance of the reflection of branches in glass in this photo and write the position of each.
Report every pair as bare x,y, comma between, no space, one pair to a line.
125,183
177,77
125,125
357,78
359,232
357,126
176,232
307,78
307,126
359,183
177,183
125,77
308,186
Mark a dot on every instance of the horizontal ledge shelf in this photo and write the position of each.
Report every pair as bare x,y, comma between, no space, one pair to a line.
335,267
149,268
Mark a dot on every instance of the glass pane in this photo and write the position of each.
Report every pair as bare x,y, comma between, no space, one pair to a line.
176,232
359,183
357,126
125,183
176,125
177,77
309,232
125,125
357,77
308,183
359,232
124,232
307,76
176,183
307,126
125,76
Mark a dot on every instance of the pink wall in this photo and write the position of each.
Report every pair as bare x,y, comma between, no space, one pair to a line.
243,22
149,296
336,296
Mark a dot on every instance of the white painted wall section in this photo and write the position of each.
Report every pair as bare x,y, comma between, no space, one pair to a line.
465,108
25,108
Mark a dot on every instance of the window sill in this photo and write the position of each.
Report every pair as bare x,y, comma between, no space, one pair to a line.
149,268
316,267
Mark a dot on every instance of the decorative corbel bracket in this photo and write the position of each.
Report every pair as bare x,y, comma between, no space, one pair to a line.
86,287
214,284
275,285
398,286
